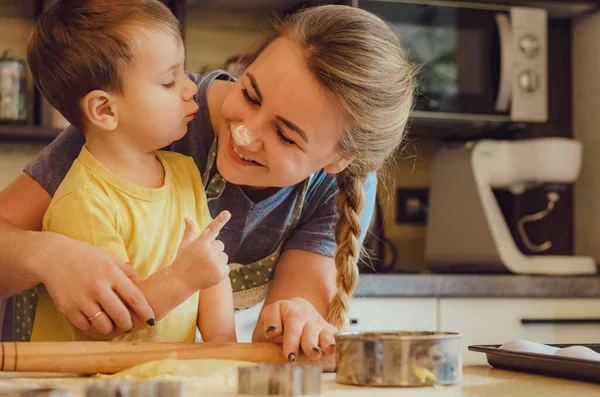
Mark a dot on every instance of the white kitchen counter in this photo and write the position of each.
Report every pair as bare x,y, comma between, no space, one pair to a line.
477,381
477,286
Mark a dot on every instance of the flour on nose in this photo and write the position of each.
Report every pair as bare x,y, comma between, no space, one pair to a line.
241,135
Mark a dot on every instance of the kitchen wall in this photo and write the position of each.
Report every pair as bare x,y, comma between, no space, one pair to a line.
586,128
16,20
13,158
213,36
410,169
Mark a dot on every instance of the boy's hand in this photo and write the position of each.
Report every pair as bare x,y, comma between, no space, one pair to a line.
201,262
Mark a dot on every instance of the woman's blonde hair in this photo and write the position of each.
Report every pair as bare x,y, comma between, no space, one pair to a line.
359,60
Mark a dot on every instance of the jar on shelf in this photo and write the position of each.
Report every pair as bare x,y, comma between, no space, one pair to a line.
13,90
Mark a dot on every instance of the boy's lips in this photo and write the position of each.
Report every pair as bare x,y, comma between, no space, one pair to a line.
192,114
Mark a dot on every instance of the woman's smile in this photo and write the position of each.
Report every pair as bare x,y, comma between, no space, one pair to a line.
238,157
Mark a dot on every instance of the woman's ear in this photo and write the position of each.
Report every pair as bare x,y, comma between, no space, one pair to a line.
338,165
100,110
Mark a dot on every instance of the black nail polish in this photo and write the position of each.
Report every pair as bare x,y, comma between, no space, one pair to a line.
292,357
129,330
317,349
151,322
271,328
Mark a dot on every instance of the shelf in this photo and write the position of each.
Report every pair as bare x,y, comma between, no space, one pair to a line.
27,133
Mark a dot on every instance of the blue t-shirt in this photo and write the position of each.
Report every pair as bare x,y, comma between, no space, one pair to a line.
255,228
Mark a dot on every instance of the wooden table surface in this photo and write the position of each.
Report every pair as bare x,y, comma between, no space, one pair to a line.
477,381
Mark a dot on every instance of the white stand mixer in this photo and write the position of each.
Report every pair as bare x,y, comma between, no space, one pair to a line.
466,231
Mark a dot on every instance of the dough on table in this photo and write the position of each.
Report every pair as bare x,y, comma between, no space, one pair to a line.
184,368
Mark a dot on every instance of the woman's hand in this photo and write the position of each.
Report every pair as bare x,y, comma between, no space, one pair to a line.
296,323
82,279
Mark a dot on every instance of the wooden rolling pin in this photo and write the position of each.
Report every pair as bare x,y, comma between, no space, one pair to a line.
111,357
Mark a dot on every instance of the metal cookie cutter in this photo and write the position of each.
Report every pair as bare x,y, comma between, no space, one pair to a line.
137,388
403,358
279,380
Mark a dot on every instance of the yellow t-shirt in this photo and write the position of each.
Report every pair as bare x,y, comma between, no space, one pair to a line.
142,226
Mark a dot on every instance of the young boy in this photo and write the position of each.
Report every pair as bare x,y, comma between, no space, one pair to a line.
114,69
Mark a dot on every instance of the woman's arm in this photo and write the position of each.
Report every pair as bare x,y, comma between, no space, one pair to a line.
297,304
304,283
22,207
29,257
313,280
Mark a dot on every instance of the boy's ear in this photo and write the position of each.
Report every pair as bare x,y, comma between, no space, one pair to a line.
99,109
338,165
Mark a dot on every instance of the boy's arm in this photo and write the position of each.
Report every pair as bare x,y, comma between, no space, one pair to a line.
215,313
88,217
200,265
215,307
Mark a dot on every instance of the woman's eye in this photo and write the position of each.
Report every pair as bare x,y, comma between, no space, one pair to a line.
249,99
256,102
169,85
282,137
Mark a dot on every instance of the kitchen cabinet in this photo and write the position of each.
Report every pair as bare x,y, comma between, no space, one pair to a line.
28,133
245,322
556,8
393,314
497,321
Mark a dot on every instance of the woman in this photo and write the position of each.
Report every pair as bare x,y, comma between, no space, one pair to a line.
322,106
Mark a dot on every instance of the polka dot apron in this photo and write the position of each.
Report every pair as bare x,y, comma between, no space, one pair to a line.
250,282
22,306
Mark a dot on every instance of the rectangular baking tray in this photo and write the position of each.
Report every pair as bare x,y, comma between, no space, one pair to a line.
543,364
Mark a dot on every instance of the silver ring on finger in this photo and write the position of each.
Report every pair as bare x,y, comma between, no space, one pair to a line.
95,316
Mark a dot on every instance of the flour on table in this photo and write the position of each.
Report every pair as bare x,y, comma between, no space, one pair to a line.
201,373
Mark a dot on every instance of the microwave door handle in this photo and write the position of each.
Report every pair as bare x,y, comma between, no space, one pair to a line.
506,62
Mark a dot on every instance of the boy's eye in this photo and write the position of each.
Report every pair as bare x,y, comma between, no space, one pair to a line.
169,85
249,99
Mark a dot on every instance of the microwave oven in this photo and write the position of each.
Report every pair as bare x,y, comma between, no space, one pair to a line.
476,62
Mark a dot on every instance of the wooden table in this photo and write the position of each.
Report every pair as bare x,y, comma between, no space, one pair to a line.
477,381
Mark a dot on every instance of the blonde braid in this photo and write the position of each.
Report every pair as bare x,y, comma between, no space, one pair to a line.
351,200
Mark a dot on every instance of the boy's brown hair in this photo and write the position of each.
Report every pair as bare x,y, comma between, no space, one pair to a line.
78,46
